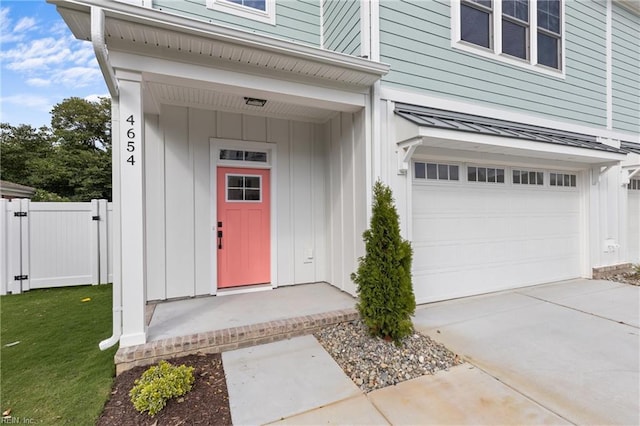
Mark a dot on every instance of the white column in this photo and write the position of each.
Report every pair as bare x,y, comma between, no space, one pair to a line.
128,143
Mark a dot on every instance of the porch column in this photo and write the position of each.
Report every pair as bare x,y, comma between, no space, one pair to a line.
129,147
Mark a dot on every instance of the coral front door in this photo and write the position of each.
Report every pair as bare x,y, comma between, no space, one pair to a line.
243,230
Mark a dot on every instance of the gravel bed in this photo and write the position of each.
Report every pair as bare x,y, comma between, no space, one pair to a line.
373,363
625,278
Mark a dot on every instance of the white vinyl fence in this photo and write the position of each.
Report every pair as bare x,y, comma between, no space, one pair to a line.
46,245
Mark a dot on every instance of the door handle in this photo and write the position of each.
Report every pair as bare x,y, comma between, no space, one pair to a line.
219,239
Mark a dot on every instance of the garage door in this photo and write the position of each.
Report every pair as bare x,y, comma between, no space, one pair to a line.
478,229
634,220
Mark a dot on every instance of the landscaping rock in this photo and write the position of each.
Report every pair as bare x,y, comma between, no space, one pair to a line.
373,363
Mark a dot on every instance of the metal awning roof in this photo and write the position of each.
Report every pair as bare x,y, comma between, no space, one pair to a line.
630,147
432,117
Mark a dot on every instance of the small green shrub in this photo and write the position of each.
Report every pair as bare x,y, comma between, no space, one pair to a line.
158,384
636,269
384,273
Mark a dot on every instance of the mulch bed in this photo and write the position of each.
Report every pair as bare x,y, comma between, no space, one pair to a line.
206,404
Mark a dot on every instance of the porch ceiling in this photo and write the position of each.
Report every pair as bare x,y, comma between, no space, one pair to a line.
156,33
203,98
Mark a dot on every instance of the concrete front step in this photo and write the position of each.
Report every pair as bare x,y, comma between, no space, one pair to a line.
227,339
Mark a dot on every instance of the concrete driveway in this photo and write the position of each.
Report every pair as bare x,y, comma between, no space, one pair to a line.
571,347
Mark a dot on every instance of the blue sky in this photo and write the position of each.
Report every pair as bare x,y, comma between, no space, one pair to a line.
41,63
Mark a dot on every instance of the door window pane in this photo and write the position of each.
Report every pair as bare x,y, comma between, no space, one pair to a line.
420,171
471,174
443,172
432,171
231,154
243,188
255,156
453,172
252,194
500,175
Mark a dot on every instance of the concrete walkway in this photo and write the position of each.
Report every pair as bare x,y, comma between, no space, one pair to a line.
561,353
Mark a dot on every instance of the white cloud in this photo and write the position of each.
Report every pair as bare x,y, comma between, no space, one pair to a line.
77,76
96,98
41,103
24,24
38,82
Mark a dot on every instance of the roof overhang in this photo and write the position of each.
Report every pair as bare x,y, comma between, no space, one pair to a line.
15,190
156,33
427,127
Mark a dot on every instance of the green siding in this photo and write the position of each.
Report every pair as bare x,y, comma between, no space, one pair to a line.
341,26
295,20
415,39
626,70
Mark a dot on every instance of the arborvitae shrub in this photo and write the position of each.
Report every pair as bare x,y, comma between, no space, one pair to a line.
158,384
383,278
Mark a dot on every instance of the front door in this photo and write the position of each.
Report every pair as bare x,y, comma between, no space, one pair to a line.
243,230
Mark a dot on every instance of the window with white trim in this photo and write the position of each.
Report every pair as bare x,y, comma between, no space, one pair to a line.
485,174
258,10
523,32
240,155
527,177
244,188
562,179
634,184
435,171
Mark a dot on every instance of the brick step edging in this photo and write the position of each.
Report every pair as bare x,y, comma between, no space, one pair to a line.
227,339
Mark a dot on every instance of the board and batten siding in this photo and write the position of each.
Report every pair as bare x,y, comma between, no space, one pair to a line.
626,69
297,20
415,39
347,204
341,26
178,197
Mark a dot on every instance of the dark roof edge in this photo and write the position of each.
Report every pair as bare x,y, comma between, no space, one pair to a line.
630,147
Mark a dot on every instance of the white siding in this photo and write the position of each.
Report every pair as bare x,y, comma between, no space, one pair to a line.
346,197
179,206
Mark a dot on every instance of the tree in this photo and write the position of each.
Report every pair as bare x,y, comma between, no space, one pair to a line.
80,122
70,160
384,273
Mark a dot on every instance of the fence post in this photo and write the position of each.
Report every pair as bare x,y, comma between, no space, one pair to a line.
14,247
25,229
94,236
103,240
4,273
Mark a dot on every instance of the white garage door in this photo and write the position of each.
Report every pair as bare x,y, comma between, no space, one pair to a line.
478,229
634,221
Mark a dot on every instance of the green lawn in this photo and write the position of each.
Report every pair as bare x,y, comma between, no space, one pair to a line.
56,374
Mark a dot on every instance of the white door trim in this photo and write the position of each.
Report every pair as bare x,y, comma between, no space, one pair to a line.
271,149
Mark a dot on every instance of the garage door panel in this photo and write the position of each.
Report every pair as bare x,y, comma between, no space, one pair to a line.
471,238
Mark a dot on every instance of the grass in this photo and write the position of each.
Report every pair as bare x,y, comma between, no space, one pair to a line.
56,374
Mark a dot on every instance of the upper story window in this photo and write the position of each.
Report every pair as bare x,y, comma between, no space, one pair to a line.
528,33
259,10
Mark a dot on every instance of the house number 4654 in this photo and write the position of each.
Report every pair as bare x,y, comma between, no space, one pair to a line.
131,141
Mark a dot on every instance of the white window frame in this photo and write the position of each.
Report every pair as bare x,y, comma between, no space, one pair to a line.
437,163
495,51
226,188
268,16
485,166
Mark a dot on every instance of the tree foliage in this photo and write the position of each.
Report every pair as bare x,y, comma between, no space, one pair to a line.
384,273
71,160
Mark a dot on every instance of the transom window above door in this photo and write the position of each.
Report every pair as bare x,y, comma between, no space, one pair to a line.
240,155
528,33
244,188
